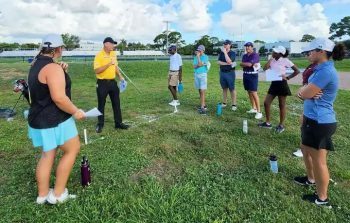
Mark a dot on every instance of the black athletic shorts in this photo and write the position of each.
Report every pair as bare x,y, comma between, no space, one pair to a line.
317,136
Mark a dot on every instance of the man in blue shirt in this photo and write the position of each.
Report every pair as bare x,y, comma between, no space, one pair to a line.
227,64
200,65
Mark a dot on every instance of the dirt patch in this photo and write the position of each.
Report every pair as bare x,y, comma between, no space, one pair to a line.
163,170
10,73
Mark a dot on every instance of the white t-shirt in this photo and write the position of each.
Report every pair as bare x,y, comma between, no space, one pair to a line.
175,62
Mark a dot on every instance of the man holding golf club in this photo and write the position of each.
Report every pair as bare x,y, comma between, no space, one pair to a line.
106,69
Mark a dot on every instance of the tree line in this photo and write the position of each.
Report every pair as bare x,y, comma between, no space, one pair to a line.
337,31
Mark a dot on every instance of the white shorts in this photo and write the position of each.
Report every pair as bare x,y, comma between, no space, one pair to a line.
200,81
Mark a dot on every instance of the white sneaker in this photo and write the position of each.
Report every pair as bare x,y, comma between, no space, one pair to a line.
223,105
177,102
298,153
234,107
52,199
172,103
42,200
252,111
258,115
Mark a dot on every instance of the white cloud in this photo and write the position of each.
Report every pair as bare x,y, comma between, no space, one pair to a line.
275,19
134,20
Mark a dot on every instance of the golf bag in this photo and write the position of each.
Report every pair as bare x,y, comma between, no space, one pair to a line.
21,85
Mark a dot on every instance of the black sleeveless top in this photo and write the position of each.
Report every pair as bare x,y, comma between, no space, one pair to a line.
43,112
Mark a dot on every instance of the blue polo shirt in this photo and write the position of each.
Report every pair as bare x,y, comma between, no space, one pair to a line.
326,78
203,69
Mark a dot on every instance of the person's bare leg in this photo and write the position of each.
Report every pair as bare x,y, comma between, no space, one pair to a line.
202,93
173,91
267,105
43,172
71,149
224,95
251,100
256,100
319,160
308,162
233,97
283,108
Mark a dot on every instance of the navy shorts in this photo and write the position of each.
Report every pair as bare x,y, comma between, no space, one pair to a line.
227,80
250,82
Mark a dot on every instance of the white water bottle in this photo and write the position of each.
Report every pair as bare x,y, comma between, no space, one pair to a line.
245,126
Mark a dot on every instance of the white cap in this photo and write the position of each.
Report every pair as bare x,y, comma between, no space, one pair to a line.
280,49
52,41
322,44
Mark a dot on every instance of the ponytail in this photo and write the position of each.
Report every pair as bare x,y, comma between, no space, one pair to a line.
338,52
286,54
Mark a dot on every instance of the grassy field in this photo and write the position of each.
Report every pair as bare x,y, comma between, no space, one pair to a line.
182,167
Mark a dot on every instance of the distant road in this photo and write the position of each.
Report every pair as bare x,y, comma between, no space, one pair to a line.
344,78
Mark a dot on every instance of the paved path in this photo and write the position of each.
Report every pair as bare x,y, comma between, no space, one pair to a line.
344,78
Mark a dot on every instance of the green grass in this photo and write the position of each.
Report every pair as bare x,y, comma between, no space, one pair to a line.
181,168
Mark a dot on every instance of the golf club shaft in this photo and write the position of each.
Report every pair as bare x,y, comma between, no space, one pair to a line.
129,80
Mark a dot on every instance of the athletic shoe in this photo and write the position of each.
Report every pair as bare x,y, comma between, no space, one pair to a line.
234,107
172,103
280,129
202,111
223,105
258,115
52,199
177,102
298,153
42,200
313,198
304,181
265,125
200,107
252,111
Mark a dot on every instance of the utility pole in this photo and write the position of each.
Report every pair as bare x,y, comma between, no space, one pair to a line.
167,22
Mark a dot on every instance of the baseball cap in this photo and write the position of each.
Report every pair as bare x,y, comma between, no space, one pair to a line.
228,42
109,40
52,41
201,48
322,44
280,49
248,44
172,47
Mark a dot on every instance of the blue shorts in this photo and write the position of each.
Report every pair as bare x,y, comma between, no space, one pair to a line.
250,82
227,80
200,81
51,138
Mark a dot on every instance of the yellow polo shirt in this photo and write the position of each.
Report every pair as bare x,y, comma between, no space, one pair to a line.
101,59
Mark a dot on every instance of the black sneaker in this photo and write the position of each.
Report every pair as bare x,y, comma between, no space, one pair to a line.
280,129
202,111
200,107
304,181
265,125
313,198
99,128
121,126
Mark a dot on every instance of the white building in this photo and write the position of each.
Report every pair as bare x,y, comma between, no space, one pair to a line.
88,45
293,47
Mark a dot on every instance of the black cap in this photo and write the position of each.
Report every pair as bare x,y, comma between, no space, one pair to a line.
109,40
228,42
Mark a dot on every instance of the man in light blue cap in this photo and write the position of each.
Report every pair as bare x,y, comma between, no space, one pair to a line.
200,62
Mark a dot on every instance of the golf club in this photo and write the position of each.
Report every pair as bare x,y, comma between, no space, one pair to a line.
130,80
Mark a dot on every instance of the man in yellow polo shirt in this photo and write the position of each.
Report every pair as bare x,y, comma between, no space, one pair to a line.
106,69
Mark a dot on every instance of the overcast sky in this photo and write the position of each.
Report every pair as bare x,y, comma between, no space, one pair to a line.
141,20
